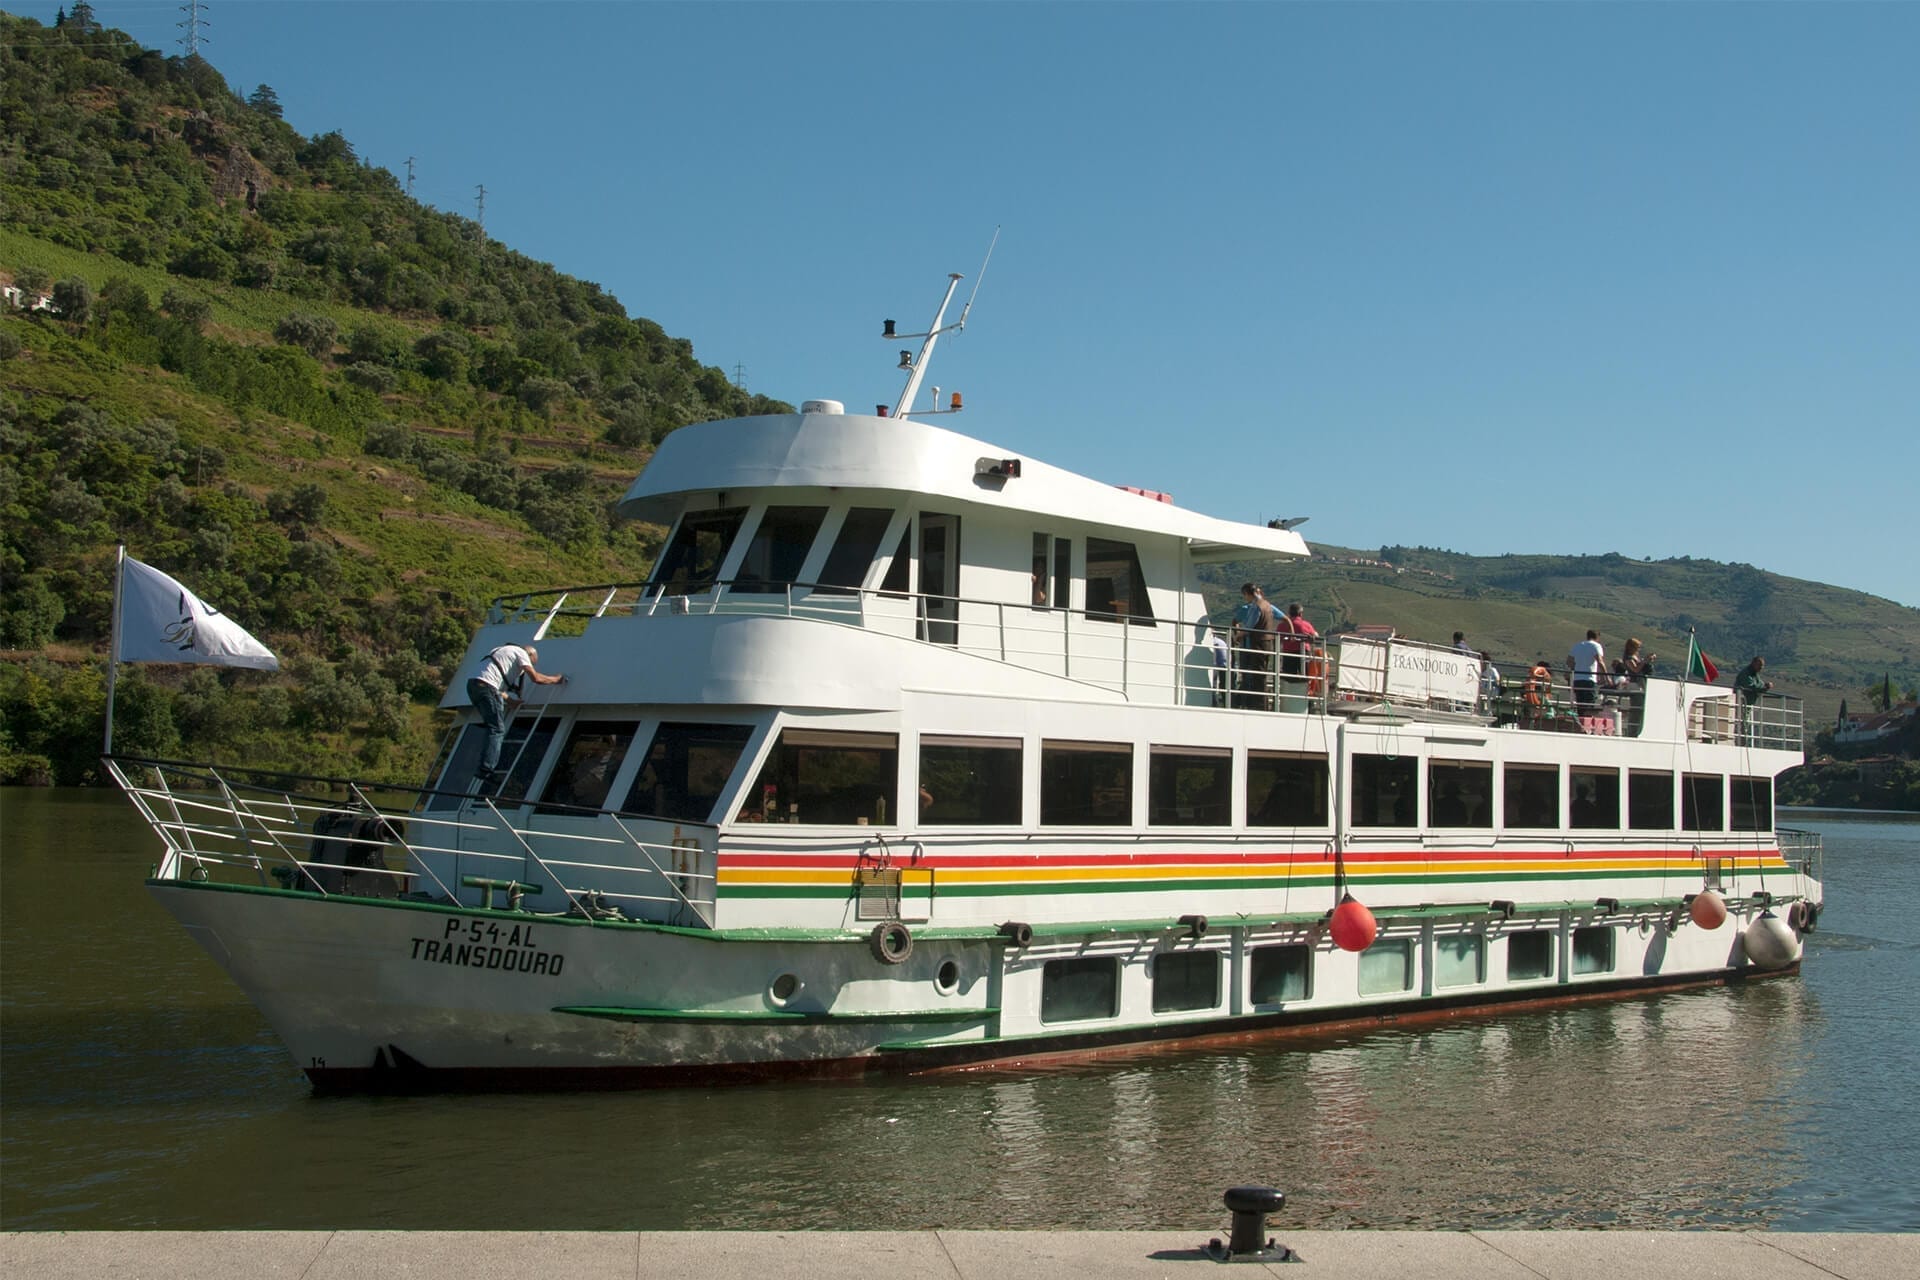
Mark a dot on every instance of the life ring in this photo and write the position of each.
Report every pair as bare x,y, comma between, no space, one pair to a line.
891,943
1316,673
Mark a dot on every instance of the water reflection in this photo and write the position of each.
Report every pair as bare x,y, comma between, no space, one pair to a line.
141,1091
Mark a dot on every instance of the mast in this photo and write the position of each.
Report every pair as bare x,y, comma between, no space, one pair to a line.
916,365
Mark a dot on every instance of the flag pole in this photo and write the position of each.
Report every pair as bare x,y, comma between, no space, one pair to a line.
113,644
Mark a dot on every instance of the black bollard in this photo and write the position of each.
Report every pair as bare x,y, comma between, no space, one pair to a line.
1248,1241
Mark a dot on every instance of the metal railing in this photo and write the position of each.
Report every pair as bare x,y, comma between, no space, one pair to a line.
332,837
1774,720
1804,851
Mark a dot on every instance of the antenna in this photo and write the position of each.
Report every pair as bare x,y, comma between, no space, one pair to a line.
481,202
916,365
409,177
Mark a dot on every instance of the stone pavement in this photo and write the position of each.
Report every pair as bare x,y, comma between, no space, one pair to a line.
948,1255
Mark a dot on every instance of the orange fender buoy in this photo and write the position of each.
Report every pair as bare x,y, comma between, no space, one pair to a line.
1354,928
1709,910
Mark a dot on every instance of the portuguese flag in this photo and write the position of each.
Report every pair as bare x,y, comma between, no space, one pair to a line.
1698,664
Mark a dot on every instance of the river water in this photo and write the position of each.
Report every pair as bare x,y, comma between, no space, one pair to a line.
138,1090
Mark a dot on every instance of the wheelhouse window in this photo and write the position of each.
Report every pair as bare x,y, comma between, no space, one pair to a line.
1116,588
1086,784
528,738
1384,790
1594,799
1189,787
854,548
1460,793
900,567
1079,989
1280,973
692,559
1533,795
970,781
1649,800
1186,981
1052,584
778,548
828,777
686,768
1386,967
1286,790
1702,806
1752,804
587,763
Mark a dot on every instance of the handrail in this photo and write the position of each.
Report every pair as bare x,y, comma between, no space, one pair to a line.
229,821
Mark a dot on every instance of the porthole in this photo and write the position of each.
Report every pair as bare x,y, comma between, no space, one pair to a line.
783,989
946,979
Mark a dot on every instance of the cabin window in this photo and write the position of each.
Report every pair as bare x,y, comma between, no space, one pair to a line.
1086,784
1279,974
1533,795
1383,791
1079,989
778,548
1189,787
1460,793
1116,589
1386,967
587,764
1752,804
521,752
1649,800
900,568
686,768
1593,949
854,548
691,561
970,781
824,777
1186,980
1459,960
1593,799
1702,802
1052,572
1530,956
1285,790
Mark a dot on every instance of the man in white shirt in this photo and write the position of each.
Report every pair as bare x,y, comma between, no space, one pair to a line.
1587,663
500,675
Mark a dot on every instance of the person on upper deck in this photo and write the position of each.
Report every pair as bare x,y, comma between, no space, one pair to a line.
1296,638
1587,665
1489,680
1750,682
1632,664
1254,623
1460,644
1537,694
500,675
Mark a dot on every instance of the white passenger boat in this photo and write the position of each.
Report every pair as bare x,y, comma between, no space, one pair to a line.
911,752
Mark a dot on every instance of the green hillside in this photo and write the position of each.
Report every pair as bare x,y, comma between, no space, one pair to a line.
348,420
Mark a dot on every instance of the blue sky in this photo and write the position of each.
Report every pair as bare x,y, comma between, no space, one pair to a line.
1492,277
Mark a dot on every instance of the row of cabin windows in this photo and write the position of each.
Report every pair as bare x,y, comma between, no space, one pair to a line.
779,545
834,777
1085,988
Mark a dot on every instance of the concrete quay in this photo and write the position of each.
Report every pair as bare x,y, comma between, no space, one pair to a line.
949,1255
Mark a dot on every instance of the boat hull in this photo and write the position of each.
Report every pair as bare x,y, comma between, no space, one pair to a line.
394,996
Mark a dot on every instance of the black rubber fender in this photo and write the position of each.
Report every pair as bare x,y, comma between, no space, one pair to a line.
891,942
1018,932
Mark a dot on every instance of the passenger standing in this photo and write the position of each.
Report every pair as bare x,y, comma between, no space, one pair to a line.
1460,644
1537,694
1489,682
1587,664
1297,638
500,675
1751,685
1254,623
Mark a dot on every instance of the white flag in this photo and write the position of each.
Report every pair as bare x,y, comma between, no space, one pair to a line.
162,621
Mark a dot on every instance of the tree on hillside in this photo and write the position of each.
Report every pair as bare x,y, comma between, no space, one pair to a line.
73,300
264,100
